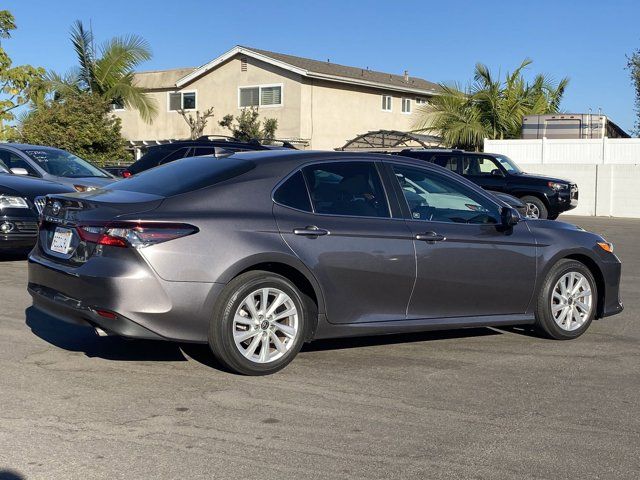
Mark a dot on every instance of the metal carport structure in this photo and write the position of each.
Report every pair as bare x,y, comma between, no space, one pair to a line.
389,141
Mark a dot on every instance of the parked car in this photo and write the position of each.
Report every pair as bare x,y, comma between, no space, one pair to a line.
260,252
53,164
511,201
213,146
21,199
545,197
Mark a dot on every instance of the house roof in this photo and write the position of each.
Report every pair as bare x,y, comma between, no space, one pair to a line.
321,70
160,79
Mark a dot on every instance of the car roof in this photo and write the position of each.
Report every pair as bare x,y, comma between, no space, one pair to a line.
26,146
300,157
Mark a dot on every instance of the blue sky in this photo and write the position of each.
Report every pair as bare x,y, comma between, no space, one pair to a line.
439,41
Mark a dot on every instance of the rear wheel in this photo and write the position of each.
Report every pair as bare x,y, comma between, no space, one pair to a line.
568,301
259,324
535,207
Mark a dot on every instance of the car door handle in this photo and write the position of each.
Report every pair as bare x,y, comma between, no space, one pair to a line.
430,237
310,231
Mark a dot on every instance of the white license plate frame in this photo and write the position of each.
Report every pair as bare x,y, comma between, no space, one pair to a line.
61,241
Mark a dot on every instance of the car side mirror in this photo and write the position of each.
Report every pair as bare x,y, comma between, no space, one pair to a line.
19,171
496,172
510,216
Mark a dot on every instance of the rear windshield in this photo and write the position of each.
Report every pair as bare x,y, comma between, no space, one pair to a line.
184,175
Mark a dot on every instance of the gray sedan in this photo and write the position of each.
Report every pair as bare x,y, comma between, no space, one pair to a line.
53,164
259,252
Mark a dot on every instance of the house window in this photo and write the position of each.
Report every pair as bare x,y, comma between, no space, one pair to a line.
421,101
117,104
406,105
386,103
261,96
182,101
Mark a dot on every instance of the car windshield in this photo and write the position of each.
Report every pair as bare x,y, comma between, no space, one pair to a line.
64,164
508,164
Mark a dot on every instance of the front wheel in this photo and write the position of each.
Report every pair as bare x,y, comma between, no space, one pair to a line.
568,301
535,207
259,324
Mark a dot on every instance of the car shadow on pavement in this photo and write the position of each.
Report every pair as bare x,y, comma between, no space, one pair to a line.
10,475
77,338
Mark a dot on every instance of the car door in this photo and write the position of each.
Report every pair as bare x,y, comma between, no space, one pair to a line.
484,171
336,217
468,263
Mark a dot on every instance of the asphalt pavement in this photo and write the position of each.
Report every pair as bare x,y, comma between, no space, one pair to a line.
479,403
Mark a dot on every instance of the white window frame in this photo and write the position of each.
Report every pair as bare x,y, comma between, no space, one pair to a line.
390,102
260,87
408,100
115,108
182,92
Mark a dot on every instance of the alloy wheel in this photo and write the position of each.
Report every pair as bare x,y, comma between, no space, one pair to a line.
571,301
532,210
265,325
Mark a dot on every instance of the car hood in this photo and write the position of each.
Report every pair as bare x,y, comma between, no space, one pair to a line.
554,225
87,181
29,187
542,178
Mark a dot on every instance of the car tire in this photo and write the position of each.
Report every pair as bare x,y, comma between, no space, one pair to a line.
568,301
240,313
535,207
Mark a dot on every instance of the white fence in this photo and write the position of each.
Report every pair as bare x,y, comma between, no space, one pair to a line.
615,151
607,171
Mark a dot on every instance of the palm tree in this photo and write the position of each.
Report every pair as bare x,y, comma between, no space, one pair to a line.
107,71
489,107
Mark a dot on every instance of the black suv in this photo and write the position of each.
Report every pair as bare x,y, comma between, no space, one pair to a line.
216,146
545,197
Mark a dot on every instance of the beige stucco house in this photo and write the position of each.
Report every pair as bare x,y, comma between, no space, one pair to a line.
318,104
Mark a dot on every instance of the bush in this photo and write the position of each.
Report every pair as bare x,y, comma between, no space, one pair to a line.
82,124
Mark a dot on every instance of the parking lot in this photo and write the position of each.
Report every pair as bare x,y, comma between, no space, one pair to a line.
481,403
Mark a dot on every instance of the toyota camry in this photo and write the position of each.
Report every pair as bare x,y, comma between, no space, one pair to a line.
259,252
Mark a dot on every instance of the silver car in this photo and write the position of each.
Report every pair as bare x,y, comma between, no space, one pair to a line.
53,164
259,252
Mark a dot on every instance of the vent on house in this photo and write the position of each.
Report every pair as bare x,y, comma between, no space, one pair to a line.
243,64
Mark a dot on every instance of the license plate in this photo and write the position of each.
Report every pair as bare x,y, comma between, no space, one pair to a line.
61,240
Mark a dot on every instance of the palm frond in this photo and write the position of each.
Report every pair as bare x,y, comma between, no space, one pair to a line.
82,41
133,97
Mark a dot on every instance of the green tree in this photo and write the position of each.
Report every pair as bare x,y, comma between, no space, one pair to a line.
246,126
633,65
489,107
18,85
107,71
81,124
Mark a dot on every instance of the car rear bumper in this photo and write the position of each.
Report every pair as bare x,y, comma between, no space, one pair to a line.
120,300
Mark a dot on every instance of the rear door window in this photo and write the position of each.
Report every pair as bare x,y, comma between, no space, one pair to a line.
293,193
347,188
450,162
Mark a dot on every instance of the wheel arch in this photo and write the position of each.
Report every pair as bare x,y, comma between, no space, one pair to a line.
289,267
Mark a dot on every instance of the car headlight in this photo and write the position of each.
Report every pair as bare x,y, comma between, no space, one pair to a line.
84,188
12,202
558,186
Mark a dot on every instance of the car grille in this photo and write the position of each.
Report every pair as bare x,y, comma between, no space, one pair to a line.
40,202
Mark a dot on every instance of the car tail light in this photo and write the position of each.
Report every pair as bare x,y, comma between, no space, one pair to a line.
126,173
134,234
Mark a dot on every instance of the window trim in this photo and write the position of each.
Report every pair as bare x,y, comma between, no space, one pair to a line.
181,92
115,108
382,174
402,110
404,206
390,97
260,87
